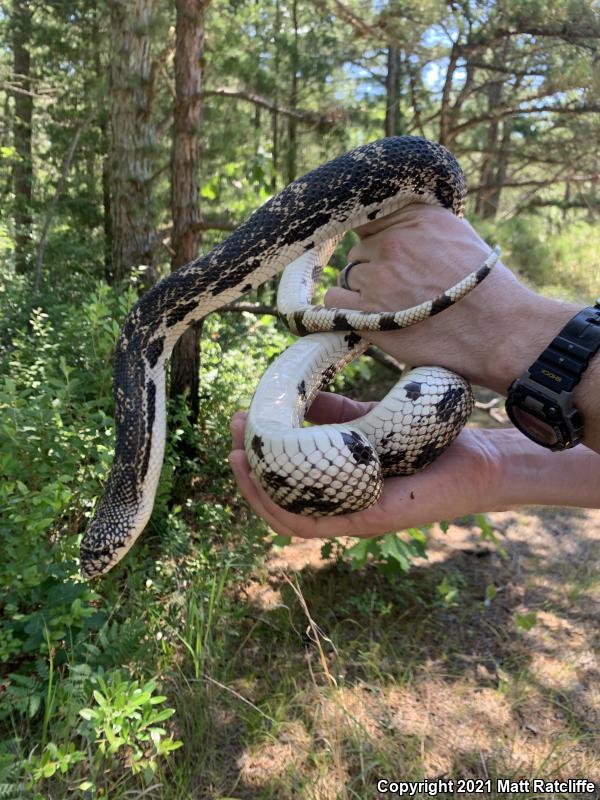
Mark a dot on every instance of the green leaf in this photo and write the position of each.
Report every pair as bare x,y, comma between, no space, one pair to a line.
393,547
114,741
327,549
490,593
162,715
418,544
447,591
487,531
359,552
100,699
525,621
208,191
49,769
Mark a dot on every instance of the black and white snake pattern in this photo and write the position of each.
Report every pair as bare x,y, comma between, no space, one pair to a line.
332,470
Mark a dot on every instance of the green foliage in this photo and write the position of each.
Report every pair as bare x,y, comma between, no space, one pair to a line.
55,758
55,445
525,621
448,589
559,259
62,639
393,552
125,718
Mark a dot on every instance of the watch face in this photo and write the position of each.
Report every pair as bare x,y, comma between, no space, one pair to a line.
535,428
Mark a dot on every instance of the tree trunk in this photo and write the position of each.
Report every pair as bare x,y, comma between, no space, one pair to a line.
292,143
495,160
185,159
484,207
393,83
105,149
133,137
274,113
446,116
492,202
22,172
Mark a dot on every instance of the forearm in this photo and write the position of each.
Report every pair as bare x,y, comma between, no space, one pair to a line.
527,474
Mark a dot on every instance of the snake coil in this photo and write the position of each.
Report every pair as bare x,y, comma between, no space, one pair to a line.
303,220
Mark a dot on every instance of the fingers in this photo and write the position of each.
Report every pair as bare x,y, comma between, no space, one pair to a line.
278,520
237,427
254,495
342,298
330,408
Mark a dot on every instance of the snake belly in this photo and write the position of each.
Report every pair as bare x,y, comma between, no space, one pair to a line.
338,469
371,181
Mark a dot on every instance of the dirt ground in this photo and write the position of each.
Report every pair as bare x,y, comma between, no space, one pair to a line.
461,690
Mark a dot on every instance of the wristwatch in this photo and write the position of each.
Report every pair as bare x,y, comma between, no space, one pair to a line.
540,401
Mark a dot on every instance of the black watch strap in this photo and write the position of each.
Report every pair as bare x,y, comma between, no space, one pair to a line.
561,365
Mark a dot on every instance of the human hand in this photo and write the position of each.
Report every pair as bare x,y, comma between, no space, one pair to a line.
461,481
489,337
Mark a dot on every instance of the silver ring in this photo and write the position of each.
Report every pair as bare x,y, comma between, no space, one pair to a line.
343,276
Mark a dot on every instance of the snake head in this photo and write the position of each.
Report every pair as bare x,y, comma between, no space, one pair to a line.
109,536
95,562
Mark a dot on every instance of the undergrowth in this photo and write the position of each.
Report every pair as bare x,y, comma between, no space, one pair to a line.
111,686
80,676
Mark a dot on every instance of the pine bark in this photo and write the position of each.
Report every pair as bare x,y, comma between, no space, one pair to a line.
133,137
22,172
292,125
185,161
105,150
497,141
393,83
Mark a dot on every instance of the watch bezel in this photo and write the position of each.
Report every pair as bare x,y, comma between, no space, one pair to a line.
567,424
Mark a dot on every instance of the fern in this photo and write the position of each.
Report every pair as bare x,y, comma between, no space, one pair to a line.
9,791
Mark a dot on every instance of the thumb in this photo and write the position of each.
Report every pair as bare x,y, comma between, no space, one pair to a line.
342,298
330,408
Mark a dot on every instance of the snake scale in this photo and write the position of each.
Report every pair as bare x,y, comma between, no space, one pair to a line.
330,470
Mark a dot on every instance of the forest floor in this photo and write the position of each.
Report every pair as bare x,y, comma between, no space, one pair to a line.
480,663
423,689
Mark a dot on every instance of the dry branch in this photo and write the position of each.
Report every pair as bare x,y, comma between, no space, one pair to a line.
310,117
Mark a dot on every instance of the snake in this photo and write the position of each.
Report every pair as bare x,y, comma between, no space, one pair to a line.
298,229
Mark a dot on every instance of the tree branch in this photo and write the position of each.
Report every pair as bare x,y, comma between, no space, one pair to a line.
310,117
547,182
355,22
52,207
216,223
515,111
